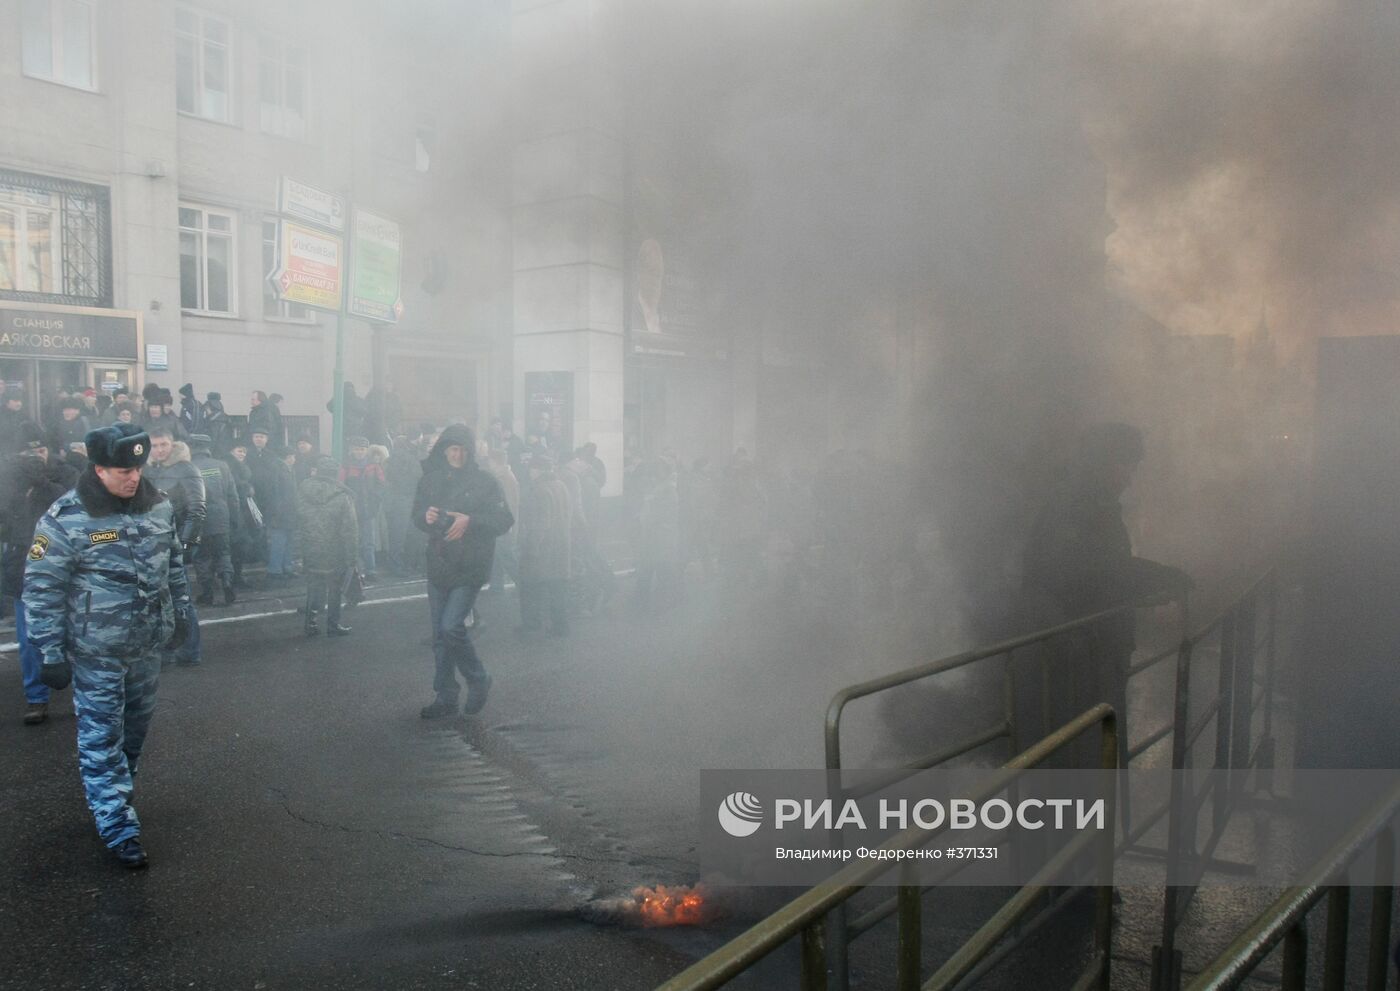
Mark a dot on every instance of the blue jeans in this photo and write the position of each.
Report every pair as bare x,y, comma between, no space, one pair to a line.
30,660
452,648
279,551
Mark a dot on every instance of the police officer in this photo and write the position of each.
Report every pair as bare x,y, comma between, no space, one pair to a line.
104,590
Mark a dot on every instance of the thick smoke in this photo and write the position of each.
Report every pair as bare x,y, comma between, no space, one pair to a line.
1250,151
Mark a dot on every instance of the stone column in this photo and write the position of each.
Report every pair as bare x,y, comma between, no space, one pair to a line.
567,214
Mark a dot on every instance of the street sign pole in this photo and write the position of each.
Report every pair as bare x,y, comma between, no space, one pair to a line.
338,396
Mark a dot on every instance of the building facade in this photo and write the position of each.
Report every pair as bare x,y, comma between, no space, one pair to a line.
143,145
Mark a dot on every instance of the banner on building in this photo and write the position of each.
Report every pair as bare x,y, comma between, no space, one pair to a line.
376,268
310,266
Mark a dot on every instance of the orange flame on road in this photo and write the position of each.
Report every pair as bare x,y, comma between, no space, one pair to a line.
666,906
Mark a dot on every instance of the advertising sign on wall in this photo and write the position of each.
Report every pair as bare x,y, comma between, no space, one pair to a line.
310,266
376,267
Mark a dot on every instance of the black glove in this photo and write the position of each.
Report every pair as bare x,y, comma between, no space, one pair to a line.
182,631
56,676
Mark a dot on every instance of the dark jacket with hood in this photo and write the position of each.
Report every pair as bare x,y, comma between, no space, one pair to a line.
469,490
329,535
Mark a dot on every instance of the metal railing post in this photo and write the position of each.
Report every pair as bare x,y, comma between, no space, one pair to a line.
1334,954
814,957
1295,958
1164,976
1382,900
911,931
1267,755
1103,915
1220,801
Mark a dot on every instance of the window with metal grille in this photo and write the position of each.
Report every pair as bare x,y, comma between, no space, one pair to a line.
55,240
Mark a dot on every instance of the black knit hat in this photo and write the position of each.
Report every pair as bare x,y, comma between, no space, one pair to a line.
187,390
72,402
214,397
122,445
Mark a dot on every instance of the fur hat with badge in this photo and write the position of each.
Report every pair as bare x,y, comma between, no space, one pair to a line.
122,445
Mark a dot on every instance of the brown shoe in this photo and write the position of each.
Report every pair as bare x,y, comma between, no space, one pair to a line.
36,713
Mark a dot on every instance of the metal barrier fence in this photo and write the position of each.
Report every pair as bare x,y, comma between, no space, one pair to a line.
807,915
844,930
1241,651
1286,919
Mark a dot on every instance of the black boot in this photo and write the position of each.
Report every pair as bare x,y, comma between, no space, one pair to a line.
230,596
336,630
130,854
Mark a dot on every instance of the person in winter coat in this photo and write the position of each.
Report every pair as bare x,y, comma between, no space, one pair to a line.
191,412
159,416
29,484
507,560
171,472
546,515
1079,560
462,510
104,590
263,418
278,500
354,413
247,537
307,459
216,424
12,418
279,429
367,484
401,474
329,540
221,515
71,426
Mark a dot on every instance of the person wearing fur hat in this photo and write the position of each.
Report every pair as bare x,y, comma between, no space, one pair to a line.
171,471
262,416
71,426
329,538
104,590
462,510
159,416
191,414
29,484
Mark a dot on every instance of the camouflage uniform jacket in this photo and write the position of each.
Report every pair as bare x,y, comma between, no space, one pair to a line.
105,576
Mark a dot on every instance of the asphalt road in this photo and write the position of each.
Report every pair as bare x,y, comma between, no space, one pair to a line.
308,830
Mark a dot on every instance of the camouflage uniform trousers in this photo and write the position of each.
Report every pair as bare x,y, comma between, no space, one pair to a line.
115,698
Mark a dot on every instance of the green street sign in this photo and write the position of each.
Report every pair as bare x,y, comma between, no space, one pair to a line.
376,268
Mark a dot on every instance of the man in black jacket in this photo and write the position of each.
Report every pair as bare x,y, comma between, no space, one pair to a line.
221,516
29,484
462,510
1079,560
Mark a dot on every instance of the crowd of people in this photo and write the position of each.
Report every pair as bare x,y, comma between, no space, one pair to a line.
244,494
